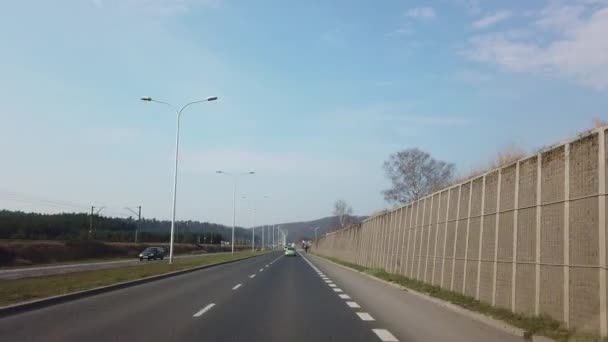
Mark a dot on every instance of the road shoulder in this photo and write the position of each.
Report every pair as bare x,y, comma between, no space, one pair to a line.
410,312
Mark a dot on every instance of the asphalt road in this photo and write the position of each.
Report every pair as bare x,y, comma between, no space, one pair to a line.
26,272
267,298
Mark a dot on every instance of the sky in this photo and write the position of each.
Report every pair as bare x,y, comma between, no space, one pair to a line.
313,97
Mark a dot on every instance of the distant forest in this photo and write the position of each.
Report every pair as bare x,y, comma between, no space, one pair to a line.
74,226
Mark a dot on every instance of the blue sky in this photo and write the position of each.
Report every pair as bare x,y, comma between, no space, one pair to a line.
314,95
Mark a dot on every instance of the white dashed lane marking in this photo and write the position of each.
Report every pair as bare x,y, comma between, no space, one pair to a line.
203,310
365,316
237,286
251,276
385,335
353,305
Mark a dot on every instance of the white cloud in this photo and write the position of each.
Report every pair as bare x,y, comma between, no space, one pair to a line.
573,46
421,13
560,18
492,19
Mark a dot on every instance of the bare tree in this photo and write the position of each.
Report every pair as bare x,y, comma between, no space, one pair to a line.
597,123
508,155
343,211
413,174
504,157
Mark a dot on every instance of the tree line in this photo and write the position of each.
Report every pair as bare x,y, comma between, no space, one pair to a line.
76,226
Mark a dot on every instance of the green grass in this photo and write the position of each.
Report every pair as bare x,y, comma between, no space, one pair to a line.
26,289
532,325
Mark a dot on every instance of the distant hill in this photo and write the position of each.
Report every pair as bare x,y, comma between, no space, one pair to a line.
304,230
195,228
75,226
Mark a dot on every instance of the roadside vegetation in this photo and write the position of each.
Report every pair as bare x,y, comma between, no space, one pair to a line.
20,253
26,289
81,226
532,325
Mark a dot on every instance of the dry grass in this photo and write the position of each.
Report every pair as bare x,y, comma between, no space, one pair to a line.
532,325
36,252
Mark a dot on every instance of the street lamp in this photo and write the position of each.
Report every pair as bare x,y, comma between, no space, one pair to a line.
252,226
315,229
234,178
285,233
178,113
264,236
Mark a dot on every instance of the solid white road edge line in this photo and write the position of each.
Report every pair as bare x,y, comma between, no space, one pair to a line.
385,335
365,316
237,286
203,310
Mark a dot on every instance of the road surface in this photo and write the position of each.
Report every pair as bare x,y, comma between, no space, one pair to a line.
266,298
27,272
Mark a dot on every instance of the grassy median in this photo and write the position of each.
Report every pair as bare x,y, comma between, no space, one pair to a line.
532,325
26,289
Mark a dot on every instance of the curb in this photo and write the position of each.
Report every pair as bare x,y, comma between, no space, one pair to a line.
10,310
488,320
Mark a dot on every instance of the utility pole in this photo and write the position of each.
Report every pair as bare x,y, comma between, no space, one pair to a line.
138,213
93,212
91,223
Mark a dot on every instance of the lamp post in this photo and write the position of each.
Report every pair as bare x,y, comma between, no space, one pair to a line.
138,213
252,226
178,113
234,178
315,229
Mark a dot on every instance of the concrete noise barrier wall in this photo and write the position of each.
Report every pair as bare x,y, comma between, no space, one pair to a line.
530,236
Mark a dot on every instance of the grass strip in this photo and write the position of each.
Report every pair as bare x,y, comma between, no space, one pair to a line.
26,289
532,325
94,260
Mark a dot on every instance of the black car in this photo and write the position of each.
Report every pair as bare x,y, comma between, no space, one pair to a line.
152,253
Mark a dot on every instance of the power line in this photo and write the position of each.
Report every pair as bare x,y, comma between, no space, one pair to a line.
36,203
59,204
39,199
